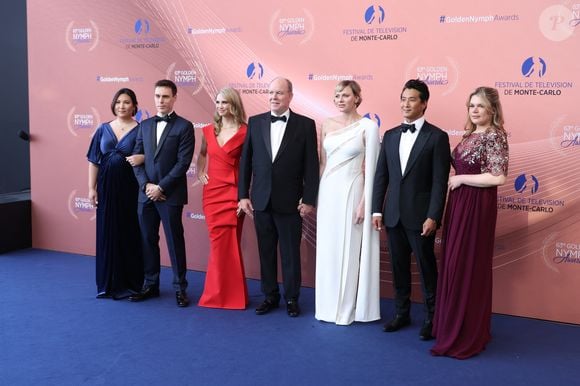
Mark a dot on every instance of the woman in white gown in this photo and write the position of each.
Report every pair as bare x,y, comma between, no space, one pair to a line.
347,248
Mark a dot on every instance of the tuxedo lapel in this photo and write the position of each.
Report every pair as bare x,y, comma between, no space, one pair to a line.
422,139
393,150
265,129
163,135
151,141
288,135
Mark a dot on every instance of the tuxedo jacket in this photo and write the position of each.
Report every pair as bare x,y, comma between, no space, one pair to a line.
291,176
418,193
166,163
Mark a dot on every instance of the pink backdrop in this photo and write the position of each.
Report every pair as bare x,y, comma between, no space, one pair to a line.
81,52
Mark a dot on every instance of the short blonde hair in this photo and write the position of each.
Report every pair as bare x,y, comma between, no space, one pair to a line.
354,86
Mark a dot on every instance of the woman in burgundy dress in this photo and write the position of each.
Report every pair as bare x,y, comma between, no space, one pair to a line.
217,165
464,290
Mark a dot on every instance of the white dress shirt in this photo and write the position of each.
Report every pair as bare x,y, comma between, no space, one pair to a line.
277,130
406,145
160,127
407,141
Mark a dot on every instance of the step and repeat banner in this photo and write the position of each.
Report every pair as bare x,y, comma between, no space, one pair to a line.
81,52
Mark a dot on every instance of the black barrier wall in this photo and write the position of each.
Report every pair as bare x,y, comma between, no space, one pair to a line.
14,150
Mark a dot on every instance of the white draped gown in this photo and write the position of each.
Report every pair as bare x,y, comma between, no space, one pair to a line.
347,254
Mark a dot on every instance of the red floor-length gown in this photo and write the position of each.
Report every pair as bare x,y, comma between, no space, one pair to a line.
462,322
225,282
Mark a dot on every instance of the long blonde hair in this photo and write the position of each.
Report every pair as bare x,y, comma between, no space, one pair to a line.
490,98
232,96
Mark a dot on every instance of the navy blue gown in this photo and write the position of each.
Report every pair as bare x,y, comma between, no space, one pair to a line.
119,262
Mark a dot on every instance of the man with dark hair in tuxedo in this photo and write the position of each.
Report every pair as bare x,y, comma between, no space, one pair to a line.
167,141
409,193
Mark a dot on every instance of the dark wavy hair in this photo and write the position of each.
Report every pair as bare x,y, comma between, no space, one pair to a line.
131,94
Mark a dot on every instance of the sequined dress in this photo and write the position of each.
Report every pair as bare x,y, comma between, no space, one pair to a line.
462,322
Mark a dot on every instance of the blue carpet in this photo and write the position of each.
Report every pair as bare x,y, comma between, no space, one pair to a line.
54,332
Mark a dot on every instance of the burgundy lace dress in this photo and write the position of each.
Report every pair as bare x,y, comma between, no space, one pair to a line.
462,321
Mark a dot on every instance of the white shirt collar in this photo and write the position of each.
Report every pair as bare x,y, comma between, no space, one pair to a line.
171,113
285,113
418,124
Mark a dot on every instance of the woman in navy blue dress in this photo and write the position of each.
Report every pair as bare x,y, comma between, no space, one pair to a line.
113,190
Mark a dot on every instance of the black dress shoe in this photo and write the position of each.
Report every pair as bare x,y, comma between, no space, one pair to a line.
122,295
397,323
182,300
104,295
266,306
426,330
293,308
146,293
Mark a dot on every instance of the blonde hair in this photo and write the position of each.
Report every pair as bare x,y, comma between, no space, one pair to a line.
236,108
354,86
490,98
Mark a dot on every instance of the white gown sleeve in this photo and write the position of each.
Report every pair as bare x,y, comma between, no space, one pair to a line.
368,295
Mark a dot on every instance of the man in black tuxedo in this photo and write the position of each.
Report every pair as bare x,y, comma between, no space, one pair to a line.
280,162
167,141
412,172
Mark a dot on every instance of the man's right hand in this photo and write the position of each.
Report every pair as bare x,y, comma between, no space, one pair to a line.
245,206
154,192
377,220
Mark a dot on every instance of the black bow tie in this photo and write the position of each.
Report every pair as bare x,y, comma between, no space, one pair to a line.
165,118
280,118
405,127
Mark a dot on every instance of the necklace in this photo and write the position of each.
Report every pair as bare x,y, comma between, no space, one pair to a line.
124,126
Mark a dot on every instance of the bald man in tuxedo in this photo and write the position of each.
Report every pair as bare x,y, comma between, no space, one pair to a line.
280,163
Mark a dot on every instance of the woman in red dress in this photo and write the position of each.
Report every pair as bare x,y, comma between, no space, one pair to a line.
462,324
217,165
